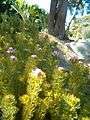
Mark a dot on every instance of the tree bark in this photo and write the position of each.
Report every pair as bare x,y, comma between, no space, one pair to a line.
57,18
51,23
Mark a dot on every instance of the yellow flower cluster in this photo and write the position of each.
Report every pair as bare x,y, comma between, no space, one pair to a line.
24,99
71,100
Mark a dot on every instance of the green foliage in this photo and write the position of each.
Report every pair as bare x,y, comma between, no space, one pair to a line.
8,1
39,16
81,28
78,4
20,9
32,87
35,14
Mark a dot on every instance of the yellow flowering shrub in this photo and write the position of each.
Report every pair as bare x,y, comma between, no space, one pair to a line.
8,107
32,86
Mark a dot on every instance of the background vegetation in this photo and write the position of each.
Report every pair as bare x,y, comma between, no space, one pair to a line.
80,29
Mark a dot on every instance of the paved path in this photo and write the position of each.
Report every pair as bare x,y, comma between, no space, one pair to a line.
81,48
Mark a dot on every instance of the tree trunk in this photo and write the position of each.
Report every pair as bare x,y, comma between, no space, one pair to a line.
51,23
57,18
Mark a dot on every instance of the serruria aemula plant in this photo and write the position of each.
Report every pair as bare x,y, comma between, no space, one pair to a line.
32,86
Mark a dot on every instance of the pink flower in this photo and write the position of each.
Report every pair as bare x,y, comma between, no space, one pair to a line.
37,73
33,56
12,57
10,50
